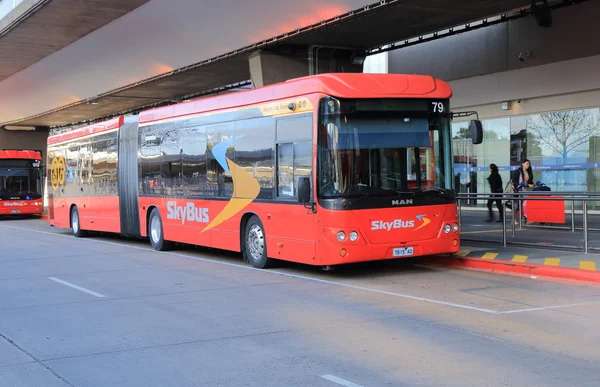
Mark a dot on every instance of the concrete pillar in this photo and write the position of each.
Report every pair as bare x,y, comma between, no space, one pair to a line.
21,139
269,67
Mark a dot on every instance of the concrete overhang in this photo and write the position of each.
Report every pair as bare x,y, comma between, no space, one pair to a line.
370,27
37,28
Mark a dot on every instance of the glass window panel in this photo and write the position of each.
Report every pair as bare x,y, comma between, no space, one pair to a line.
285,170
302,161
254,151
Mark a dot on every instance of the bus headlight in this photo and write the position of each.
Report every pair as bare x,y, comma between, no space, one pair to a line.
341,236
455,227
447,229
353,236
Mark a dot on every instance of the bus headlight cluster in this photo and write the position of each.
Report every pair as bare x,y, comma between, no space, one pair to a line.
448,228
341,236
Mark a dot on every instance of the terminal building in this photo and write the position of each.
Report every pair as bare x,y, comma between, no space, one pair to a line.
536,87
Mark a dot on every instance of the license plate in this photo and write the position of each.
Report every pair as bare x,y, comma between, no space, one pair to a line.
403,251
15,211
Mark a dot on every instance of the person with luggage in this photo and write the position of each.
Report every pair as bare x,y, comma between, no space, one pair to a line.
521,178
495,181
523,174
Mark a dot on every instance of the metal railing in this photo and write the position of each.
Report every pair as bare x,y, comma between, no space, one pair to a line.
520,197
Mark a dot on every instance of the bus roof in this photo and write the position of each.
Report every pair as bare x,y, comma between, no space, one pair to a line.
341,85
20,154
98,127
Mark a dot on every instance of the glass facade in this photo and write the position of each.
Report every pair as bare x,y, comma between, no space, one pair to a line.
563,147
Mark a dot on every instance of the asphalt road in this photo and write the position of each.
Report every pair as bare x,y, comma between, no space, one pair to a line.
105,311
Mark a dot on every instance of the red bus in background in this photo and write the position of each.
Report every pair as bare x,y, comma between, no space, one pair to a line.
320,170
20,182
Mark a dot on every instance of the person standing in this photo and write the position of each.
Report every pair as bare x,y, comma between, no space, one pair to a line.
495,181
522,177
524,174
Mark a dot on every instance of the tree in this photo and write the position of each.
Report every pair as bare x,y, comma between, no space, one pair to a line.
465,133
564,132
524,146
462,133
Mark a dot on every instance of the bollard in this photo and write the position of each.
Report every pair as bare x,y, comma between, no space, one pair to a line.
585,227
504,225
513,217
573,214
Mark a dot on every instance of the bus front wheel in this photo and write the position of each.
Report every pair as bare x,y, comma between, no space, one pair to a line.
155,232
76,223
255,244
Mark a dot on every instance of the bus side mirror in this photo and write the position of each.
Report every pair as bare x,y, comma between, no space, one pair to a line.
476,131
303,189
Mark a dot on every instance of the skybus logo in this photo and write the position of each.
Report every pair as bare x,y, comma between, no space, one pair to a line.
189,213
399,223
9,204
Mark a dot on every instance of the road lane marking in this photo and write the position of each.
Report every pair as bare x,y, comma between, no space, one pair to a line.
463,253
340,381
297,276
88,291
520,258
546,308
552,261
586,265
489,255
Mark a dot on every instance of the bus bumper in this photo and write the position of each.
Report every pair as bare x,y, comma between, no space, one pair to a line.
8,208
340,253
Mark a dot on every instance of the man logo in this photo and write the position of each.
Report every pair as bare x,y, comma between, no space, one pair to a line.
402,202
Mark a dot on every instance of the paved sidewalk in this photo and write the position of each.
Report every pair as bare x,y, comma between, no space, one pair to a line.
547,257
525,262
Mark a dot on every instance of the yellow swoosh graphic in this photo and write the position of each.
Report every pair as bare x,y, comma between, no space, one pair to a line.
426,221
245,189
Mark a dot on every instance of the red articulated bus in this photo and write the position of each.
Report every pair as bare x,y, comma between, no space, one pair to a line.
20,182
321,170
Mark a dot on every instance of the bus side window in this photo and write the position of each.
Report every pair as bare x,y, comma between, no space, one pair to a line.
294,153
285,170
294,160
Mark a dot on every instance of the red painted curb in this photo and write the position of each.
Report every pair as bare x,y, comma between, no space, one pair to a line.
521,269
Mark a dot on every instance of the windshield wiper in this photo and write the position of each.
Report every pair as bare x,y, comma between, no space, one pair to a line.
436,191
379,194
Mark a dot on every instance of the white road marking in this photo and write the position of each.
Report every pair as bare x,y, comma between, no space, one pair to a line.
546,308
335,283
77,287
340,381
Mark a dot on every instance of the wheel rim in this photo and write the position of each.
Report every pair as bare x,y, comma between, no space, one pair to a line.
75,222
155,229
255,242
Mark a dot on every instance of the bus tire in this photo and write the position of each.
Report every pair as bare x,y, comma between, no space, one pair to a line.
155,232
255,244
76,223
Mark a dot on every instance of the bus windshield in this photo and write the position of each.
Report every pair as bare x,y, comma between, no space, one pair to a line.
19,183
382,148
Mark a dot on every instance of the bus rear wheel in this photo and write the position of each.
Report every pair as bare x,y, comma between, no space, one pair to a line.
255,244
76,223
155,232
